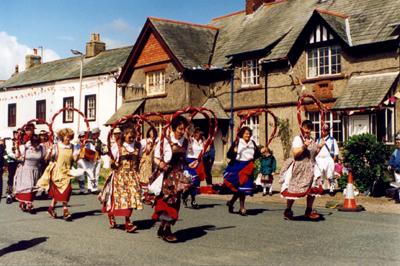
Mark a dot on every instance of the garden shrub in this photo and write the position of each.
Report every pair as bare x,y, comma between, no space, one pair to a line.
367,158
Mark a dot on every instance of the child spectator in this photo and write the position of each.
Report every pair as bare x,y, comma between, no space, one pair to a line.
267,168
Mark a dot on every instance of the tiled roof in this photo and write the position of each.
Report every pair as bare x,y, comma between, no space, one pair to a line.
192,44
106,62
369,22
127,108
214,105
366,91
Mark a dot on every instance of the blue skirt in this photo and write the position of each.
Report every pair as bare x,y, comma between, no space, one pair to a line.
238,177
192,173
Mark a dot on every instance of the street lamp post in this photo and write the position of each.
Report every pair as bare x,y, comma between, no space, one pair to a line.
76,52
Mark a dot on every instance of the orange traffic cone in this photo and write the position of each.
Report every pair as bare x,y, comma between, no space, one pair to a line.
349,200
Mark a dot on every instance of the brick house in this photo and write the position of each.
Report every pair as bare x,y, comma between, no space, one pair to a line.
344,52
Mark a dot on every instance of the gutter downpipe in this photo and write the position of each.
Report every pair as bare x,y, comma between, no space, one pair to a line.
266,103
231,122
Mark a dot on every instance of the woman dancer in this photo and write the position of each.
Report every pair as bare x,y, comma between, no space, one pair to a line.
196,145
172,165
27,173
57,176
300,177
124,195
238,176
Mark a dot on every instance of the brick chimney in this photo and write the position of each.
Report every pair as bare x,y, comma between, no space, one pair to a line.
16,71
253,5
32,59
95,46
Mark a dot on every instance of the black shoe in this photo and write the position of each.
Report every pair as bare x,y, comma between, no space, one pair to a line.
185,202
230,206
243,212
194,204
9,199
160,231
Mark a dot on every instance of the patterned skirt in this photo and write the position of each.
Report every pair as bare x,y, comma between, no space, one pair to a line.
125,193
167,204
300,178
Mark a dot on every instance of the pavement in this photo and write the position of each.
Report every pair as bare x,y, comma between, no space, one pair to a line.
207,236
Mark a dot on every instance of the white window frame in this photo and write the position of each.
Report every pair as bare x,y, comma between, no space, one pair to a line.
155,82
389,122
250,73
328,120
253,122
90,107
333,68
68,116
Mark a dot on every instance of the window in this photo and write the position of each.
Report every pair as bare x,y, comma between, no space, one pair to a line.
155,82
385,125
254,123
159,127
250,73
334,122
323,61
68,115
12,115
41,110
90,107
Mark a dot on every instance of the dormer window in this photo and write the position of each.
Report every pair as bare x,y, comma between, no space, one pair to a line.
250,73
323,61
155,83
323,58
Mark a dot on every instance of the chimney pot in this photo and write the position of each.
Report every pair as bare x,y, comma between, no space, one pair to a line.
34,51
95,46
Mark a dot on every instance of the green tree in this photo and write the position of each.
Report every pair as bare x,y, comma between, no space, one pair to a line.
366,157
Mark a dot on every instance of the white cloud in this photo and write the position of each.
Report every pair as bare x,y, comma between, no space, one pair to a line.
119,25
13,53
111,43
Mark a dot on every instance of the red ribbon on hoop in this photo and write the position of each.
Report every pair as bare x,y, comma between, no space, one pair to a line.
256,113
321,107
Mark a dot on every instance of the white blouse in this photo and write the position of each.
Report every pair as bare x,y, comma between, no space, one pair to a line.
195,147
245,151
167,148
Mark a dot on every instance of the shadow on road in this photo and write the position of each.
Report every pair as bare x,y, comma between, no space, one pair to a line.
22,245
206,206
197,232
255,211
302,218
144,224
79,215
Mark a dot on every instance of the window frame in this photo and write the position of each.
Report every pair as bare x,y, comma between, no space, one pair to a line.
38,113
156,89
87,98
317,60
12,121
65,100
331,121
250,77
253,122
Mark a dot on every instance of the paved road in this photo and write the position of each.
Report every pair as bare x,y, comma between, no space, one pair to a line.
209,235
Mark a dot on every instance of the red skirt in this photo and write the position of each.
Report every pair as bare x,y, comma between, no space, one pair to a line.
161,207
312,191
58,196
25,197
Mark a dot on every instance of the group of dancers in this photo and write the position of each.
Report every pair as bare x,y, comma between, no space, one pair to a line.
160,170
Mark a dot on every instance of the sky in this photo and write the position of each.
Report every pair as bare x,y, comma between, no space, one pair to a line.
61,25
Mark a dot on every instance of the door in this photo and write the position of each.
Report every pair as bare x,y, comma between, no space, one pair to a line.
359,124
